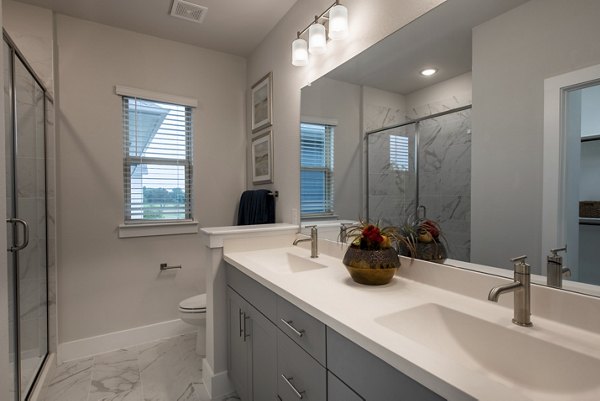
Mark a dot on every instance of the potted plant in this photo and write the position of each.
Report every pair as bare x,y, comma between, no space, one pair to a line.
371,257
423,239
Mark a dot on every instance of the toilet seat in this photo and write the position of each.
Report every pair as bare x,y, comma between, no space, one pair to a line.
195,304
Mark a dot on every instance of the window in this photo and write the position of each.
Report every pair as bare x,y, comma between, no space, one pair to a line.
399,153
316,170
157,160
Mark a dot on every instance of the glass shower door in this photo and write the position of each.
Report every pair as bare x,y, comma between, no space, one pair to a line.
26,223
392,179
9,141
30,196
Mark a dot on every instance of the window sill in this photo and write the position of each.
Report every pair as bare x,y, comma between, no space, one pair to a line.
155,229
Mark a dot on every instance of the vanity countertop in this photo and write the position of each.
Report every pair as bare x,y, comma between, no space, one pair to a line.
372,317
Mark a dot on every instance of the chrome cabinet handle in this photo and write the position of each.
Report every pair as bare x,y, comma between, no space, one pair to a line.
246,335
240,321
297,332
294,389
25,242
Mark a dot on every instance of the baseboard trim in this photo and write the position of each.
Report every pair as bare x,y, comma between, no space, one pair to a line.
217,385
91,346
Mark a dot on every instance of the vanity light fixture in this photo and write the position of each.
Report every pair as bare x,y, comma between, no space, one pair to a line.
317,40
332,23
427,72
338,22
299,52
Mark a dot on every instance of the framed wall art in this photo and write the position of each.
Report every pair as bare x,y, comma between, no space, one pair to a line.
262,157
262,102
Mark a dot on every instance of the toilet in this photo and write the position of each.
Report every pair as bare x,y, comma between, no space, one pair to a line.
193,311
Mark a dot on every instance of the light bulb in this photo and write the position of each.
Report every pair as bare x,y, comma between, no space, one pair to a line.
427,72
317,42
299,53
338,22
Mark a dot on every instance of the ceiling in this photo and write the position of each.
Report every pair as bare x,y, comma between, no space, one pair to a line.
441,38
230,26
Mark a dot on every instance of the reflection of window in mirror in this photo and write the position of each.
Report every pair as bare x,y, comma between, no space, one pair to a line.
316,170
399,152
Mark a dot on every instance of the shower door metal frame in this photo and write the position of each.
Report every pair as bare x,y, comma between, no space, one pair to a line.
15,55
416,122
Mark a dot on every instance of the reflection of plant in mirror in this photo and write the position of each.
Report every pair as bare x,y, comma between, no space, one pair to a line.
425,239
372,237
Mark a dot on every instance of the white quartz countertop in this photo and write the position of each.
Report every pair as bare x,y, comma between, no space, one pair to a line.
361,313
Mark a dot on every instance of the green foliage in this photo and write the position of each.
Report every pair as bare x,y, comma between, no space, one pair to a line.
162,196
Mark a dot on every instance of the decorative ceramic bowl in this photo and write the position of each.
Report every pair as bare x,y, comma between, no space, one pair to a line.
371,267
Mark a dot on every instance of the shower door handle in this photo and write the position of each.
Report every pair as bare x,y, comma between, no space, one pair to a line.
25,242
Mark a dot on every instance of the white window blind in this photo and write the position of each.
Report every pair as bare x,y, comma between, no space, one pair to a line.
157,161
316,170
399,153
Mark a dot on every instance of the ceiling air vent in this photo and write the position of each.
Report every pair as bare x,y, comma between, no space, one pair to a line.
188,11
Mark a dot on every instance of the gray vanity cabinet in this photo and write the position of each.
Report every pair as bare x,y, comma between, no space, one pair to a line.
252,350
369,376
279,352
238,366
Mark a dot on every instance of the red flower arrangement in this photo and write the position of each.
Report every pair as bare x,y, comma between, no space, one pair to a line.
371,237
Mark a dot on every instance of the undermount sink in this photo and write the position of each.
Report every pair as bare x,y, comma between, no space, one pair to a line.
287,262
540,369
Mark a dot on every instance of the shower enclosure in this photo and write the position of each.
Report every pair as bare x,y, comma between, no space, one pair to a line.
25,101
424,162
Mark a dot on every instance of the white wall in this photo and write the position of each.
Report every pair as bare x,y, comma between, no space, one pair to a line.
512,55
106,283
331,99
370,21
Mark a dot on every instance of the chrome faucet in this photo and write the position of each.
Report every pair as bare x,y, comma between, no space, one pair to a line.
314,247
521,287
556,271
343,233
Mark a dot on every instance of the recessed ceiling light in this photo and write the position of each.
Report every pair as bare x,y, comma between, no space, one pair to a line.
427,72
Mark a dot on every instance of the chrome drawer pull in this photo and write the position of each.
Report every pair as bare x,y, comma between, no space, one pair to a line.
246,335
299,333
298,393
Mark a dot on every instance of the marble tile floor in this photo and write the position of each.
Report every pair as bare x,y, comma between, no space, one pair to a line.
166,370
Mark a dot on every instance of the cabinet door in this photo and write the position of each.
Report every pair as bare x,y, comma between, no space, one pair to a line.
299,376
369,376
263,350
338,391
238,358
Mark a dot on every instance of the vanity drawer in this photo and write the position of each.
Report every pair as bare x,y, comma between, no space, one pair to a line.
299,376
305,330
252,291
371,377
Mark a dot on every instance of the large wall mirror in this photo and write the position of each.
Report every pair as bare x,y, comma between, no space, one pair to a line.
501,145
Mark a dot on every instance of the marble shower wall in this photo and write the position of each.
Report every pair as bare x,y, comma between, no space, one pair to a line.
445,178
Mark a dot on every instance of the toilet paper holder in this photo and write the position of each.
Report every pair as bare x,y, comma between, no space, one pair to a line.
164,266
